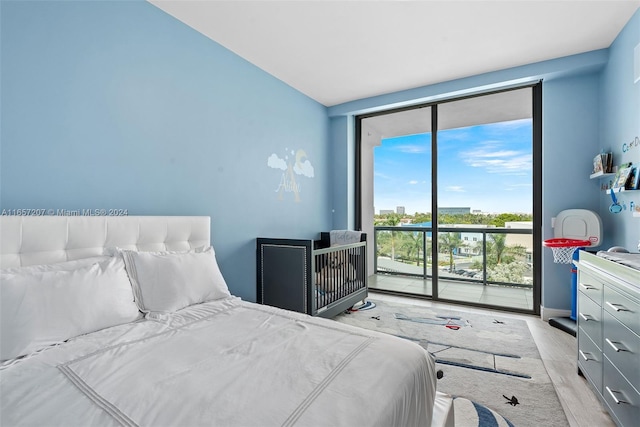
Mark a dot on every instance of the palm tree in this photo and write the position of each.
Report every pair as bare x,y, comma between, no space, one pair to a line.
449,242
392,220
496,246
413,244
498,251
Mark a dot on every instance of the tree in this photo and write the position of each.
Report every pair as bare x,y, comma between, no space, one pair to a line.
392,220
501,219
498,251
413,244
496,246
512,272
449,242
383,241
420,218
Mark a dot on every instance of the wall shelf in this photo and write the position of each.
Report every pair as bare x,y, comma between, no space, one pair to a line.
620,190
601,174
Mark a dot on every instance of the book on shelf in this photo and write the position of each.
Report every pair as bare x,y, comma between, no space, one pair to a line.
608,164
597,164
622,176
603,162
633,182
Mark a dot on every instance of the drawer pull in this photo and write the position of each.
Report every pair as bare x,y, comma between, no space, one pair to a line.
586,317
588,287
585,356
614,346
613,396
617,307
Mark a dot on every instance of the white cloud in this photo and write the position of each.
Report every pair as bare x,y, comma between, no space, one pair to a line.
455,189
412,149
304,168
518,187
502,153
276,162
494,159
413,182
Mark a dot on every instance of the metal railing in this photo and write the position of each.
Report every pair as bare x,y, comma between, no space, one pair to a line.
397,248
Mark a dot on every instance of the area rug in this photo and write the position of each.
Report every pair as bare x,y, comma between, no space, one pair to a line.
490,364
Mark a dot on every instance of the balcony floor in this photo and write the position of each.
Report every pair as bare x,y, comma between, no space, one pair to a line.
463,292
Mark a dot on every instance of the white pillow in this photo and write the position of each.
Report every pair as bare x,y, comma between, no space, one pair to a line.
41,308
65,265
166,282
116,251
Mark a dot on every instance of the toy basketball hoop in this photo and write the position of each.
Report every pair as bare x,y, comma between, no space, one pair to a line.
563,249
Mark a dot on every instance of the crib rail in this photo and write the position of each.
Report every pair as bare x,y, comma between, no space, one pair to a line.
339,271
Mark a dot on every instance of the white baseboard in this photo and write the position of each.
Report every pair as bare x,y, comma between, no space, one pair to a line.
548,313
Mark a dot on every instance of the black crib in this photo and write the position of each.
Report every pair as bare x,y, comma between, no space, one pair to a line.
311,276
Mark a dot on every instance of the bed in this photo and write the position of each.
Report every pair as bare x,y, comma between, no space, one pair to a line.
128,321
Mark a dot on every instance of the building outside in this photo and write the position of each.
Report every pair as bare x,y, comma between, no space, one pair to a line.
454,211
471,242
524,240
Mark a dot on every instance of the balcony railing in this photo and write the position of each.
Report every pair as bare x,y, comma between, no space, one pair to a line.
482,255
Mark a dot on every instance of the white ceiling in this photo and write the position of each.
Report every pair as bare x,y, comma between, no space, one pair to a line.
339,51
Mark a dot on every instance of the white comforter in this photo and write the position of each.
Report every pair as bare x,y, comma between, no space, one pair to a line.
223,363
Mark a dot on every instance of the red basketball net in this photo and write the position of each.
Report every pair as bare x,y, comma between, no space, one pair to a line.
563,249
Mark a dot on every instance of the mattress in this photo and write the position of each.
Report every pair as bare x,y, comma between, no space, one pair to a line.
227,363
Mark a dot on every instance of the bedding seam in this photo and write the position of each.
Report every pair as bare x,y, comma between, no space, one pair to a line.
311,397
294,416
96,398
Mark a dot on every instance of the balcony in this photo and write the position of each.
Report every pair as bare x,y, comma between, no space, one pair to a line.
479,265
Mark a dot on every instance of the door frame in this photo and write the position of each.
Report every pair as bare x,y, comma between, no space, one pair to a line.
536,98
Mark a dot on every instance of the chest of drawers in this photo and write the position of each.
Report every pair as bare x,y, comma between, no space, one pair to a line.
608,318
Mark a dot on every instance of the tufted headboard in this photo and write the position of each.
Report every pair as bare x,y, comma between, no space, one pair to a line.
28,240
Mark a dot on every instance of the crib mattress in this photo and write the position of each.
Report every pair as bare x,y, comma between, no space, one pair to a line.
226,362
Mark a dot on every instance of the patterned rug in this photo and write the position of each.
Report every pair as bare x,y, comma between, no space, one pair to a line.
469,413
490,364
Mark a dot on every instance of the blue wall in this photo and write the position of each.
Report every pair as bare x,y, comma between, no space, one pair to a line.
570,141
119,105
620,131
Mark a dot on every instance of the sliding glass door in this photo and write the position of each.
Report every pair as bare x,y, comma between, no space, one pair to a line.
402,193
447,193
485,188
396,186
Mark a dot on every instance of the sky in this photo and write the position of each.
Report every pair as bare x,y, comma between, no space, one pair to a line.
486,167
